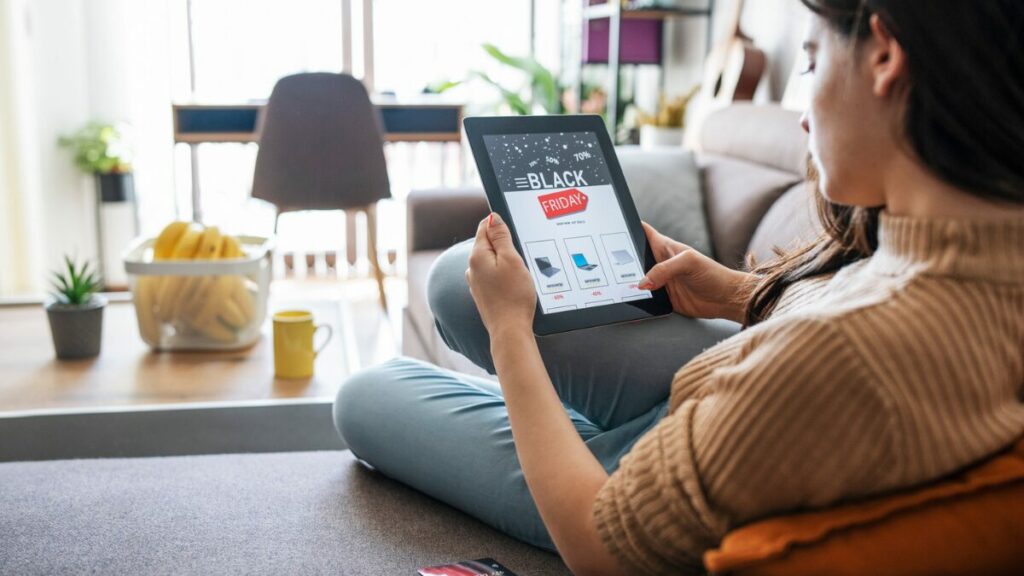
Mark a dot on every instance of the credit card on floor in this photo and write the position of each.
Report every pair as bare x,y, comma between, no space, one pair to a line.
481,567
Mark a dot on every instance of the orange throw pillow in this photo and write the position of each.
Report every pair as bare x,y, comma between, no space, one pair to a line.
971,523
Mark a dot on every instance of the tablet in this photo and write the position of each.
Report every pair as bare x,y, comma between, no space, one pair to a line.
557,183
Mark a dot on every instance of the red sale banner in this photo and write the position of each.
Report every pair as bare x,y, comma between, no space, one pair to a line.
561,203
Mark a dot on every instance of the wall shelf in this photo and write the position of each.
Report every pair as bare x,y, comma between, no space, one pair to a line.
613,11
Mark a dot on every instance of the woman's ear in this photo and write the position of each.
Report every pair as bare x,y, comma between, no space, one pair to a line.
888,60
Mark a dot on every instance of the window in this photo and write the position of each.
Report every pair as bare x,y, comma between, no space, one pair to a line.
418,43
242,47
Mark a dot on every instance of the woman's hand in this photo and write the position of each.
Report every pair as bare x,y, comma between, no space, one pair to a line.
698,286
499,281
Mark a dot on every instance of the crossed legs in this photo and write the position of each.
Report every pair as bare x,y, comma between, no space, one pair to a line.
447,434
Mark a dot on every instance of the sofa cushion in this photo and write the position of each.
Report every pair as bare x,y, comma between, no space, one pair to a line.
438,218
419,316
283,513
791,222
420,338
971,523
768,135
737,194
665,185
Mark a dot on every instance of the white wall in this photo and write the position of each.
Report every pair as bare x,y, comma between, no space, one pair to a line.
775,25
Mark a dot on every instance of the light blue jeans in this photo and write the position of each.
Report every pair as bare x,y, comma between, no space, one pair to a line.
447,434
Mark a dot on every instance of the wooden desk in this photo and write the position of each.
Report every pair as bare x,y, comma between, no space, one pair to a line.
423,119
128,373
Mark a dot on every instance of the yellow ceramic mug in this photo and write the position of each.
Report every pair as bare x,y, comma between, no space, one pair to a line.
293,343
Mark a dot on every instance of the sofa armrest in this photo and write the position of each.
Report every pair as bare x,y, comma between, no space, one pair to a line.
439,218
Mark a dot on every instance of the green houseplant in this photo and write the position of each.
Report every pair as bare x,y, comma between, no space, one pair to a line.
75,311
102,149
545,91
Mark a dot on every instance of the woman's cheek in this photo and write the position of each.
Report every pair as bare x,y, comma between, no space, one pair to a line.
824,141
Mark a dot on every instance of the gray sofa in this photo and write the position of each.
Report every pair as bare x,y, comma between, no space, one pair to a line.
751,163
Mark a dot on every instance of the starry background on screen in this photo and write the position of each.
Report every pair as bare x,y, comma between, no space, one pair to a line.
515,155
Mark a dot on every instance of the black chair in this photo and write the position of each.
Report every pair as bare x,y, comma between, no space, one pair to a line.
321,148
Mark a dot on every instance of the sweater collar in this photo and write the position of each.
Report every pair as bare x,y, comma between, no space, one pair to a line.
959,248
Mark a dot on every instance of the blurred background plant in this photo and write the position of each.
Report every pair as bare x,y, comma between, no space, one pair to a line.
100,148
544,89
541,91
670,113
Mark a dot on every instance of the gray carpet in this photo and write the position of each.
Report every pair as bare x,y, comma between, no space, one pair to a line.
280,513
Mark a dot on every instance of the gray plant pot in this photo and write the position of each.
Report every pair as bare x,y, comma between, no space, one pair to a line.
77,330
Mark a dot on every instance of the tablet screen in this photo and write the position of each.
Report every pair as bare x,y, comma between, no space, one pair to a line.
560,195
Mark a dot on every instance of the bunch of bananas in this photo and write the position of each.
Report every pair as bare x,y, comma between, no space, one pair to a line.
214,307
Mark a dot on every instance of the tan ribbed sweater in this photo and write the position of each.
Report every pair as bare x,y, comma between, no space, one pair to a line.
896,370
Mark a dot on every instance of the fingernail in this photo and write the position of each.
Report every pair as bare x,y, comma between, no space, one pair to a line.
496,217
645,283
490,219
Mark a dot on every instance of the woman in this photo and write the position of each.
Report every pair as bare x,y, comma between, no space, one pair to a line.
887,354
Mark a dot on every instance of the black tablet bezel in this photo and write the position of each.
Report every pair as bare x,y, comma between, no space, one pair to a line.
545,324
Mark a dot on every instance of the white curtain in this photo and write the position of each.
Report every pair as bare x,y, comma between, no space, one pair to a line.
21,272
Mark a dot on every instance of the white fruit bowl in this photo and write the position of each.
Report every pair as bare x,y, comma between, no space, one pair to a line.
200,304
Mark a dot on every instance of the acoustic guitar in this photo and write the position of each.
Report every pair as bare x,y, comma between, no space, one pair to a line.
735,67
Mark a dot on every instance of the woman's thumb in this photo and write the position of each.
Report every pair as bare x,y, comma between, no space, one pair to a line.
662,272
498,233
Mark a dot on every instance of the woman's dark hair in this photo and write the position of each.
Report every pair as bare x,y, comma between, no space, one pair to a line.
963,118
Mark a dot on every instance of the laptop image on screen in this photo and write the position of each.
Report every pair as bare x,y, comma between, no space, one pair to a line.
622,257
545,267
581,262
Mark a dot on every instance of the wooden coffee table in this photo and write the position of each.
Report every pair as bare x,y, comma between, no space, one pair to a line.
128,373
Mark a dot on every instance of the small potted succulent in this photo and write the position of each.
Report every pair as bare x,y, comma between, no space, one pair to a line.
75,311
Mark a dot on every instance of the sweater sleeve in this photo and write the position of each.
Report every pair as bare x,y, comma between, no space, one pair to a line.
794,422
